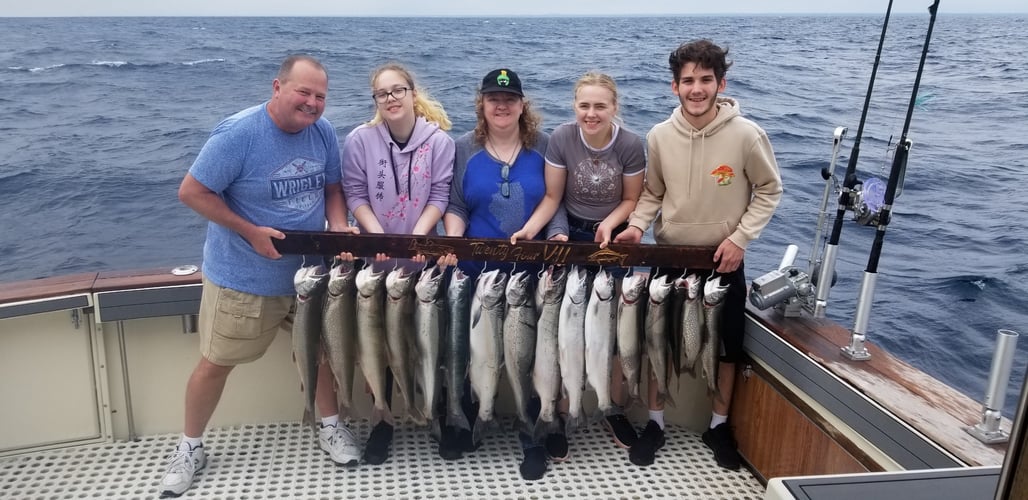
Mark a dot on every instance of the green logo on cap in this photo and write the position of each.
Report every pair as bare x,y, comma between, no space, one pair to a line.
503,80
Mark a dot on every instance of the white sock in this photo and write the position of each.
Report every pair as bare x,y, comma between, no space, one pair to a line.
716,420
330,421
192,443
658,417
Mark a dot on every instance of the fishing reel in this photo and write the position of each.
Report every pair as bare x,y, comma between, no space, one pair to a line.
787,288
867,199
867,202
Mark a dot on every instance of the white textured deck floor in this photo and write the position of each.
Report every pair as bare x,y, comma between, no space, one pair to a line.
283,461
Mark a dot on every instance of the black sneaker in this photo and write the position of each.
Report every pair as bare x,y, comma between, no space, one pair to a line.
449,446
557,447
622,431
722,443
533,466
376,451
645,448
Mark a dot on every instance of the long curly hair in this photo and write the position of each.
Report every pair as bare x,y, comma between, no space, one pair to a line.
528,123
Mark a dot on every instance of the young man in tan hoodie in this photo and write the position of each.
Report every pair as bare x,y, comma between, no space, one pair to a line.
712,180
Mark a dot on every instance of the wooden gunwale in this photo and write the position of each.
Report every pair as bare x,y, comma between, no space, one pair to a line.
933,408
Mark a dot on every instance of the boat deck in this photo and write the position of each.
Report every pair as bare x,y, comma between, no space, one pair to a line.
281,461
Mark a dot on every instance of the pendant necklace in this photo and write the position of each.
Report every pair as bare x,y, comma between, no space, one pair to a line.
505,167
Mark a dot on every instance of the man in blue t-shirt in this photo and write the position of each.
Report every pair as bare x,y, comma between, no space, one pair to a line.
275,165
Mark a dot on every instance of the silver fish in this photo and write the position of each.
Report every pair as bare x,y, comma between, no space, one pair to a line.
486,346
601,334
546,368
371,335
571,341
399,324
691,327
519,334
309,282
429,321
656,334
457,349
713,300
629,332
340,330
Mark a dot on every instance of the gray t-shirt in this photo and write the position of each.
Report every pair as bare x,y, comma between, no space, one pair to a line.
594,182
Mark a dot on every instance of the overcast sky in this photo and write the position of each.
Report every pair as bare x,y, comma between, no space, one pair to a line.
485,8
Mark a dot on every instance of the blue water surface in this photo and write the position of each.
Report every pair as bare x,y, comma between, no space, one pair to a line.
101,117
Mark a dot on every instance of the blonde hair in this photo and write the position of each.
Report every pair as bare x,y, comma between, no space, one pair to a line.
600,80
528,123
605,81
424,105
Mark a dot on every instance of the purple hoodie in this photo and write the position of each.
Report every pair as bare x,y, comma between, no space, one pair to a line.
397,183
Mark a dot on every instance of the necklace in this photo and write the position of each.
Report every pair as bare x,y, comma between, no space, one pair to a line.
495,153
504,167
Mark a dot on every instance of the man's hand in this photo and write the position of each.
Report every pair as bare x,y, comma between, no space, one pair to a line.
260,240
728,256
630,235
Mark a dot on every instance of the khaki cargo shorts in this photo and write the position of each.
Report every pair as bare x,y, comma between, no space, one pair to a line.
237,327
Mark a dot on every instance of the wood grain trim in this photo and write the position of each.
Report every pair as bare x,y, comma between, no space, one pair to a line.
59,286
45,288
800,405
933,408
801,446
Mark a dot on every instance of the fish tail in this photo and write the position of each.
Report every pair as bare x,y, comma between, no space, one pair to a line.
543,429
666,399
483,427
456,418
417,415
436,430
308,419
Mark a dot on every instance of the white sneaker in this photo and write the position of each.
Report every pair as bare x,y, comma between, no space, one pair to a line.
340,444
182,466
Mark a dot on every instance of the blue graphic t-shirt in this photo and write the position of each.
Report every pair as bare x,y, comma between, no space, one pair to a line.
270,178
477,198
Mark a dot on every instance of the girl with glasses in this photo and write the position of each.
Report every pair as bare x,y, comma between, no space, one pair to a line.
396,179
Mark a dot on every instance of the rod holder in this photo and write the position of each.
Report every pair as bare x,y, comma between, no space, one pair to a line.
190,323
988,431
856,350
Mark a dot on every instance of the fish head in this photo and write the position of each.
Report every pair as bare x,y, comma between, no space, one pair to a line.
632,288
369,281
660,288
714,292
603,285
692,285
459,283
398,283
308,279
429,283
553,283
517,291
340,277
490,287
576,287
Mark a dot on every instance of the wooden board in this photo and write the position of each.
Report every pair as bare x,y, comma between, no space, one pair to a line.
496,250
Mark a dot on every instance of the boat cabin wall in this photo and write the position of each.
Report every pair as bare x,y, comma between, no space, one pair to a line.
116,364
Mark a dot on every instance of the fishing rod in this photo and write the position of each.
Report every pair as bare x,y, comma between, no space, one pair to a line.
856,349
849,187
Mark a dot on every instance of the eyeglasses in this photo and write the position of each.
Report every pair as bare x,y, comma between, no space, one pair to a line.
505,187
398,93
